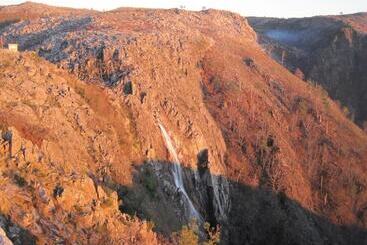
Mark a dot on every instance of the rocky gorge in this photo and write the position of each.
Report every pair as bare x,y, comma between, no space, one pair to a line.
328,50
127,124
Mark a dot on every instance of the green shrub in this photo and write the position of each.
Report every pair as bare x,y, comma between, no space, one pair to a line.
364,126
3,127
325,102
217,83
19,180
80,91
189,234
346,111
232,86
150,225
53,102
302,106
107,202
35,56
150,182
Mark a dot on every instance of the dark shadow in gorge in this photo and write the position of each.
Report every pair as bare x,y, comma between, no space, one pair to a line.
256,215
17,234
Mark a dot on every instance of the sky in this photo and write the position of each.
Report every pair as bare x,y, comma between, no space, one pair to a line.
269,8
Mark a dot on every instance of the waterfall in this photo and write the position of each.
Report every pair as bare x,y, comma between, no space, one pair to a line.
177,175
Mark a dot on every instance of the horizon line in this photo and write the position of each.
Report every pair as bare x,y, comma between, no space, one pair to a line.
183,9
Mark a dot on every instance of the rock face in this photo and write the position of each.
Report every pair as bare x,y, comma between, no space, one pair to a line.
4,240
11,233
328,50
61,148
263,154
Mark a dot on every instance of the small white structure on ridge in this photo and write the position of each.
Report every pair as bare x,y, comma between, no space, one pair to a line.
13,47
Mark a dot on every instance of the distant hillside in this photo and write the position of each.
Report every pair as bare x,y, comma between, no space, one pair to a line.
328,50
29,10
358,21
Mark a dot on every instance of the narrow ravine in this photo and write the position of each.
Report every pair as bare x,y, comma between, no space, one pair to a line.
177,176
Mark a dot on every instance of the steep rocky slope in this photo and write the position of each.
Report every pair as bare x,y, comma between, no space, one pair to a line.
329,50
268,157
55,143
358,21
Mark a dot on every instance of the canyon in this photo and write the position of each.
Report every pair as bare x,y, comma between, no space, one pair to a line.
124,126
328,50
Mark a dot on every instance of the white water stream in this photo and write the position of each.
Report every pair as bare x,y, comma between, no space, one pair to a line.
177,175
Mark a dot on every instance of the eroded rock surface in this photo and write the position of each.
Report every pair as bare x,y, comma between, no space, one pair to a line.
275,148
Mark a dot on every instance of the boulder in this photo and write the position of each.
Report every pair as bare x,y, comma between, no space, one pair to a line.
4,240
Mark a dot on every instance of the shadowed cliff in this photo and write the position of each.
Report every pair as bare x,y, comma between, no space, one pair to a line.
329,50
256,215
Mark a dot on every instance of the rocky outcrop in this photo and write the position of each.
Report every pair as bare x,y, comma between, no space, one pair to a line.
4,239
48,165
13,234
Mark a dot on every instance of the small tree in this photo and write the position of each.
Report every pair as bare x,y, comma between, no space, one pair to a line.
346,111
213,234
298,73
283,56
364,126
189,234
1,42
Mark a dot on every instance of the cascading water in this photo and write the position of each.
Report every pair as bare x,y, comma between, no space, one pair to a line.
177,176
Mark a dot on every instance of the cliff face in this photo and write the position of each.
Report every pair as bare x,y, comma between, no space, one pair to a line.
259,151
329,50
55,143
